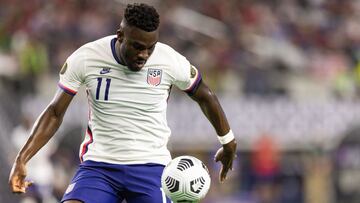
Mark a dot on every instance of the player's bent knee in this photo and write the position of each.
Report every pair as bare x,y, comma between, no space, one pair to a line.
73,201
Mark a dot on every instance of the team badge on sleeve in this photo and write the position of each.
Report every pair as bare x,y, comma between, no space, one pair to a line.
154,76
192,71
63,68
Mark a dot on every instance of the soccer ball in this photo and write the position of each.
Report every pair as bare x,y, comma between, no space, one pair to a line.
185,179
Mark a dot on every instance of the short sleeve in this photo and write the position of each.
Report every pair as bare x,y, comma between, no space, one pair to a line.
72,73
187,77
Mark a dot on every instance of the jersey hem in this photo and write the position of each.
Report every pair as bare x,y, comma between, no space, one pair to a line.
164,162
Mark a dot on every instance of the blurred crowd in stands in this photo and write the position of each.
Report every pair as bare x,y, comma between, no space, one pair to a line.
241,46
294,49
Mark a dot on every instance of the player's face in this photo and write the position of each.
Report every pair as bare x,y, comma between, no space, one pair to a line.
136,46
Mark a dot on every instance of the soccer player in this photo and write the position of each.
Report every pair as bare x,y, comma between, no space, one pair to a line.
128,78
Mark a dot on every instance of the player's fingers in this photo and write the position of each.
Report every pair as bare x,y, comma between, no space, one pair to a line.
18,191
28,184
218,155
230,164
17,188
217,158
18,185
225,169
223,173
221,179
22,188
223,176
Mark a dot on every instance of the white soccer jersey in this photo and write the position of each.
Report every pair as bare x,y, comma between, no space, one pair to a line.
127,119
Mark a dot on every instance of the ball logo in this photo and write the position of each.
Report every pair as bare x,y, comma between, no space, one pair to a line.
185,164
172,184
63,69
197,185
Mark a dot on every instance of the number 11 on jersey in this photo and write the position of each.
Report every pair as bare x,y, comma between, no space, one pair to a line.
108,81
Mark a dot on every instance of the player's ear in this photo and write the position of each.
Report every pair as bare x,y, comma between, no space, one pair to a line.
120,34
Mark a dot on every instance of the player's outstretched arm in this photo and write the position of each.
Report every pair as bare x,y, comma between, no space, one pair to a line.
44,128
212,109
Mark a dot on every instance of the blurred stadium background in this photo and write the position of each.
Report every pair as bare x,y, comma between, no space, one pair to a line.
287,73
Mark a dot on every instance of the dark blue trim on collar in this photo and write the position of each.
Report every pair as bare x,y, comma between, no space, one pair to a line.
113,41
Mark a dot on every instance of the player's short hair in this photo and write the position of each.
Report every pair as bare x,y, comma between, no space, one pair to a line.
142,16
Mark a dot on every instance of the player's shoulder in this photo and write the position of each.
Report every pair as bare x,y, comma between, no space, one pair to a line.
93,48
102,43
165,49
164,54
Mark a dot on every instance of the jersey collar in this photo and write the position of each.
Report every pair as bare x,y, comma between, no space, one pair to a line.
113,41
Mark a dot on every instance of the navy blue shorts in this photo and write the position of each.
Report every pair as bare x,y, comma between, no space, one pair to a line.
96,182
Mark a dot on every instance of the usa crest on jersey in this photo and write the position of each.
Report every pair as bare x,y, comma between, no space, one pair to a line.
154,76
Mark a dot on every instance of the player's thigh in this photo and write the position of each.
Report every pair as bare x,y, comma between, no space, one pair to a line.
156,196
91,185
144,184
73,201
87,194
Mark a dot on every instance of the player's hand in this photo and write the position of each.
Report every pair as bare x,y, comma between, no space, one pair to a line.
226,155
17,181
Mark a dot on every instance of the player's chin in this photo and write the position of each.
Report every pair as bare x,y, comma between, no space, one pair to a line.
136,67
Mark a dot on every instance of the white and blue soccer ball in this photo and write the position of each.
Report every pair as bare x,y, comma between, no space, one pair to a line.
185,179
